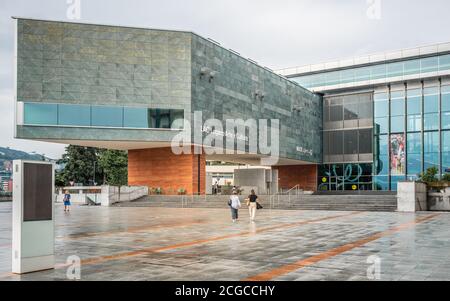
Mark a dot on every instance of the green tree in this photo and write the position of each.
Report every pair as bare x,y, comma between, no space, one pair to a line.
430,176
114,164
80,163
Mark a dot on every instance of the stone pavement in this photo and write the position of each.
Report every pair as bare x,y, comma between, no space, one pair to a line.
203,244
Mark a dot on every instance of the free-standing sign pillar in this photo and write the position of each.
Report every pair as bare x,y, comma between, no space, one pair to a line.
33,236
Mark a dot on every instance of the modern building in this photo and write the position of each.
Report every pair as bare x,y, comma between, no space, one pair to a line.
386,117
123,88
359,124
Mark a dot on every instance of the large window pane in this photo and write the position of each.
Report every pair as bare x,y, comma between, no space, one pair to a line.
351,142
74,115
365,141
365,106
446,120
381,108
414,123
446,98
446,152
381,183
381,145
395,69
431,142
351,105
444,62
336,146
378,72
431,121
397,124
397,107
347,76
136,117
332,78
414,146
40,114
107,116
382,125
431,103
411,67
429,64
362,74
381,165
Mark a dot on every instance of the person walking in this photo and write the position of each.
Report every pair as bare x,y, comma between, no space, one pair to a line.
252,205
234,204
67,201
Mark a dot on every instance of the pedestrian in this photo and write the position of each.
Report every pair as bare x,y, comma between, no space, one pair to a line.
67,201
234,204
252,205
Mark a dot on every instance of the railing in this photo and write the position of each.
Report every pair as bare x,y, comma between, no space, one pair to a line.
275,199
186,198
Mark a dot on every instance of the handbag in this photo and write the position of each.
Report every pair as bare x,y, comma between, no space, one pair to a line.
259,206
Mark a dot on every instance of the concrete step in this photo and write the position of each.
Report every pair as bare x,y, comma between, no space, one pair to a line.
386,203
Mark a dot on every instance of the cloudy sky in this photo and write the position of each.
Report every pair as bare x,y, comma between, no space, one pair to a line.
275,33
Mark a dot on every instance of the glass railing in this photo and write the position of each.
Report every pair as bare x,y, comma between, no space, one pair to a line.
376,72
101,116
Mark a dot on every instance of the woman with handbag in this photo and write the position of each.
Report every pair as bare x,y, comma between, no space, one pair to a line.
252,205
234,204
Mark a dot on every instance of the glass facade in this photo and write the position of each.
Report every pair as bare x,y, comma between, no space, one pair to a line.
411,133
348,124
376,72
102,116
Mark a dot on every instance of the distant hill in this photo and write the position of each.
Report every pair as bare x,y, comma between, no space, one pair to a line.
9,154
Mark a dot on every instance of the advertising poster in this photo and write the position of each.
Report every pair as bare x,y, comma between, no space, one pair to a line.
398,157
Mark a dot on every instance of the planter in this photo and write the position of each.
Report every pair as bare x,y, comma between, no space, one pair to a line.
411,197
439,200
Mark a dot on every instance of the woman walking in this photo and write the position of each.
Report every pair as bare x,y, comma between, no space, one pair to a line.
234,204
252,205
67,201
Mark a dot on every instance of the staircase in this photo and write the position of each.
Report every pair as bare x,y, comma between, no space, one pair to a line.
375,202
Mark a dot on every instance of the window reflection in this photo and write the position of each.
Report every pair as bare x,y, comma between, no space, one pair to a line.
102,116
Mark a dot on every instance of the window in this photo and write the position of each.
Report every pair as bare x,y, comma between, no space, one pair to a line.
362,74
382,125
336,146
429,64
365,141
74,115
411,67
351,142
381,108
397,124
104,116
431,149
445,107
431,108
378,72
445,152
381,158
40,114
444,62
395,69
414,147
351,105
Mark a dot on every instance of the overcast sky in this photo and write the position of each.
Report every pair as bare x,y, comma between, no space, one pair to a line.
275,33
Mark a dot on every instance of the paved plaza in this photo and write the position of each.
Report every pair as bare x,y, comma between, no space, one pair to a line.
203,244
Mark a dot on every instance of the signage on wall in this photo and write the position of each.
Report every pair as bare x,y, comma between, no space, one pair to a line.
354,187
305,151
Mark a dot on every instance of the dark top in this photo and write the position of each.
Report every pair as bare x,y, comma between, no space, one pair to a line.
252,198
